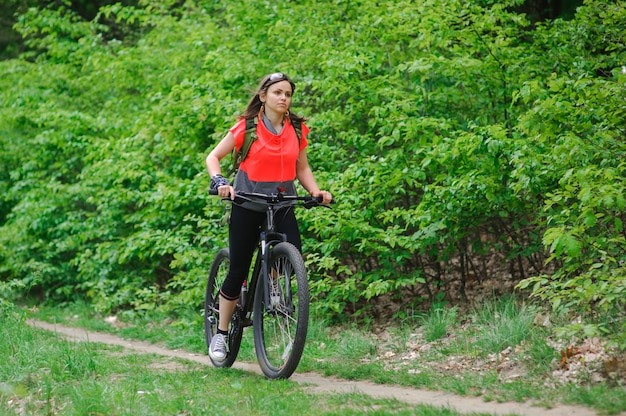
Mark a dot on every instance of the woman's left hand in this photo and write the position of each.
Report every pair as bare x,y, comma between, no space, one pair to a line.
326,196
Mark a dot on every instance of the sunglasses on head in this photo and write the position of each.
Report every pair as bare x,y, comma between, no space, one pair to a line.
277,76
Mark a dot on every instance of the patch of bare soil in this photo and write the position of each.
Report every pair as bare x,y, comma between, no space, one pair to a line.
329,385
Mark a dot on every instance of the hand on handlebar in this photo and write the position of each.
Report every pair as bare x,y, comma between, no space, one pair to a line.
326,196
220,186
226,191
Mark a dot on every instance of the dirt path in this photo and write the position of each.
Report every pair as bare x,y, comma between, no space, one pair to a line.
319,384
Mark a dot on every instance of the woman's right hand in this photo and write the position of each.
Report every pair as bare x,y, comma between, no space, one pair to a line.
222,187
226,191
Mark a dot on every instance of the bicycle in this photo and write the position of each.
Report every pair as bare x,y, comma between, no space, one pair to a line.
279,307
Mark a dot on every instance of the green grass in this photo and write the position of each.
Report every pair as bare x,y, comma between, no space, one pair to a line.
438,322
42,374
502,323
494,350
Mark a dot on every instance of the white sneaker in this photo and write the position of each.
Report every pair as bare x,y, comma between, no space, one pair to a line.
219,347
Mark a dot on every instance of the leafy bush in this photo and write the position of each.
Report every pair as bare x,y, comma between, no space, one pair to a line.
462,142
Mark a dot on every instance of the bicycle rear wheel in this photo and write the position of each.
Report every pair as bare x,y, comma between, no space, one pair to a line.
217,274
280,327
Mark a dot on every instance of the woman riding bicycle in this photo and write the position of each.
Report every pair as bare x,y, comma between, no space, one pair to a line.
274,161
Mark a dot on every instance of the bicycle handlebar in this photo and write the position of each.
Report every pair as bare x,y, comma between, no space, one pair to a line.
306,201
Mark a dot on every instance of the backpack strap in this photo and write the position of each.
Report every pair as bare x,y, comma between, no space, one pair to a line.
249,137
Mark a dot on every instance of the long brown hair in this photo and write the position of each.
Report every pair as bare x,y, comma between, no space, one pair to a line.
254,106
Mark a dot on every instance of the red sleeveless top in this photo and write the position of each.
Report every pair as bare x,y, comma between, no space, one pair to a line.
272,158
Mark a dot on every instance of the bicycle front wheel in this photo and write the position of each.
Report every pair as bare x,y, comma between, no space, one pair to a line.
280,324
217,274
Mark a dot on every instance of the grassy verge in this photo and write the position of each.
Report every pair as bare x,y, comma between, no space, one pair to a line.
43,375
501,351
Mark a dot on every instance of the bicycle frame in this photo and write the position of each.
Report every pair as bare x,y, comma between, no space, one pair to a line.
268,238
260,272
279,309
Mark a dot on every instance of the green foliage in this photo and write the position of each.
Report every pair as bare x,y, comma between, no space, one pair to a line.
581,140
460,140
502,324
437,322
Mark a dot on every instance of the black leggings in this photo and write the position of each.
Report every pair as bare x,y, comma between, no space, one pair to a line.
244,228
